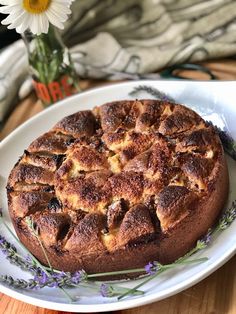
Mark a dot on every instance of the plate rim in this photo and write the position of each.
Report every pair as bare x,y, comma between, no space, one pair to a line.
127,303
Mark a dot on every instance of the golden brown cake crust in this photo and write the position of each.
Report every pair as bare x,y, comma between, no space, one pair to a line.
114,188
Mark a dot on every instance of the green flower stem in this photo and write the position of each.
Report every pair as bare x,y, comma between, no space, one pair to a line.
43,72
35,233
190,253
138,270
162,269
44,253
119,272
34,259
54,270
67,294
117,289
131,291
185,262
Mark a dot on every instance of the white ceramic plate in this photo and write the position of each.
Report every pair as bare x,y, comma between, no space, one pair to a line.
213,101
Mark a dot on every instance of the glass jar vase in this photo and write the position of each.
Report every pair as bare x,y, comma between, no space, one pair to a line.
51,67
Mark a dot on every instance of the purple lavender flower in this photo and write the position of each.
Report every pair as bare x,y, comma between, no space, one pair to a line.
28,259
3,245
53,284
41,278
2,240
44,278
228,217
165,98
106,290
6,248
78,276
207,238
31,265
59,276
152,268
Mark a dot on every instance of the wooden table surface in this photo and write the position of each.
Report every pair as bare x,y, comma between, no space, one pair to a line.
214,295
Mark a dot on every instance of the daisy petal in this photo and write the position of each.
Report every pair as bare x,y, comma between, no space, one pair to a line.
10,9
24,25
61,8
53,20
13,2
12,17
34,25
18,21
59,16
21,17
44,24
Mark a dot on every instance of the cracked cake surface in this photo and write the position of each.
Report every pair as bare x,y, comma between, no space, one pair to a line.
118,186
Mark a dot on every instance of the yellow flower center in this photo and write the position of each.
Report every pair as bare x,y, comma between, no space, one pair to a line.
36,6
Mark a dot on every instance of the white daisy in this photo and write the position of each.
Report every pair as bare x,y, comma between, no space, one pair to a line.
35,14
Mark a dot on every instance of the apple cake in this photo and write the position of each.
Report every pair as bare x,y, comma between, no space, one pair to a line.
119,186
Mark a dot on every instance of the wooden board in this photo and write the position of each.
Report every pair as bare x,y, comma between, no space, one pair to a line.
214,295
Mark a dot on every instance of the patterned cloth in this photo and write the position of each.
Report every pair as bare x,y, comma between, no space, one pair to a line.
115,39
141,36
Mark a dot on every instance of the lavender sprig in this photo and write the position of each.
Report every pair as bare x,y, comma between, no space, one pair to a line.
20,283
9,250
38,282
160,269
33,283
152,91
227,218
